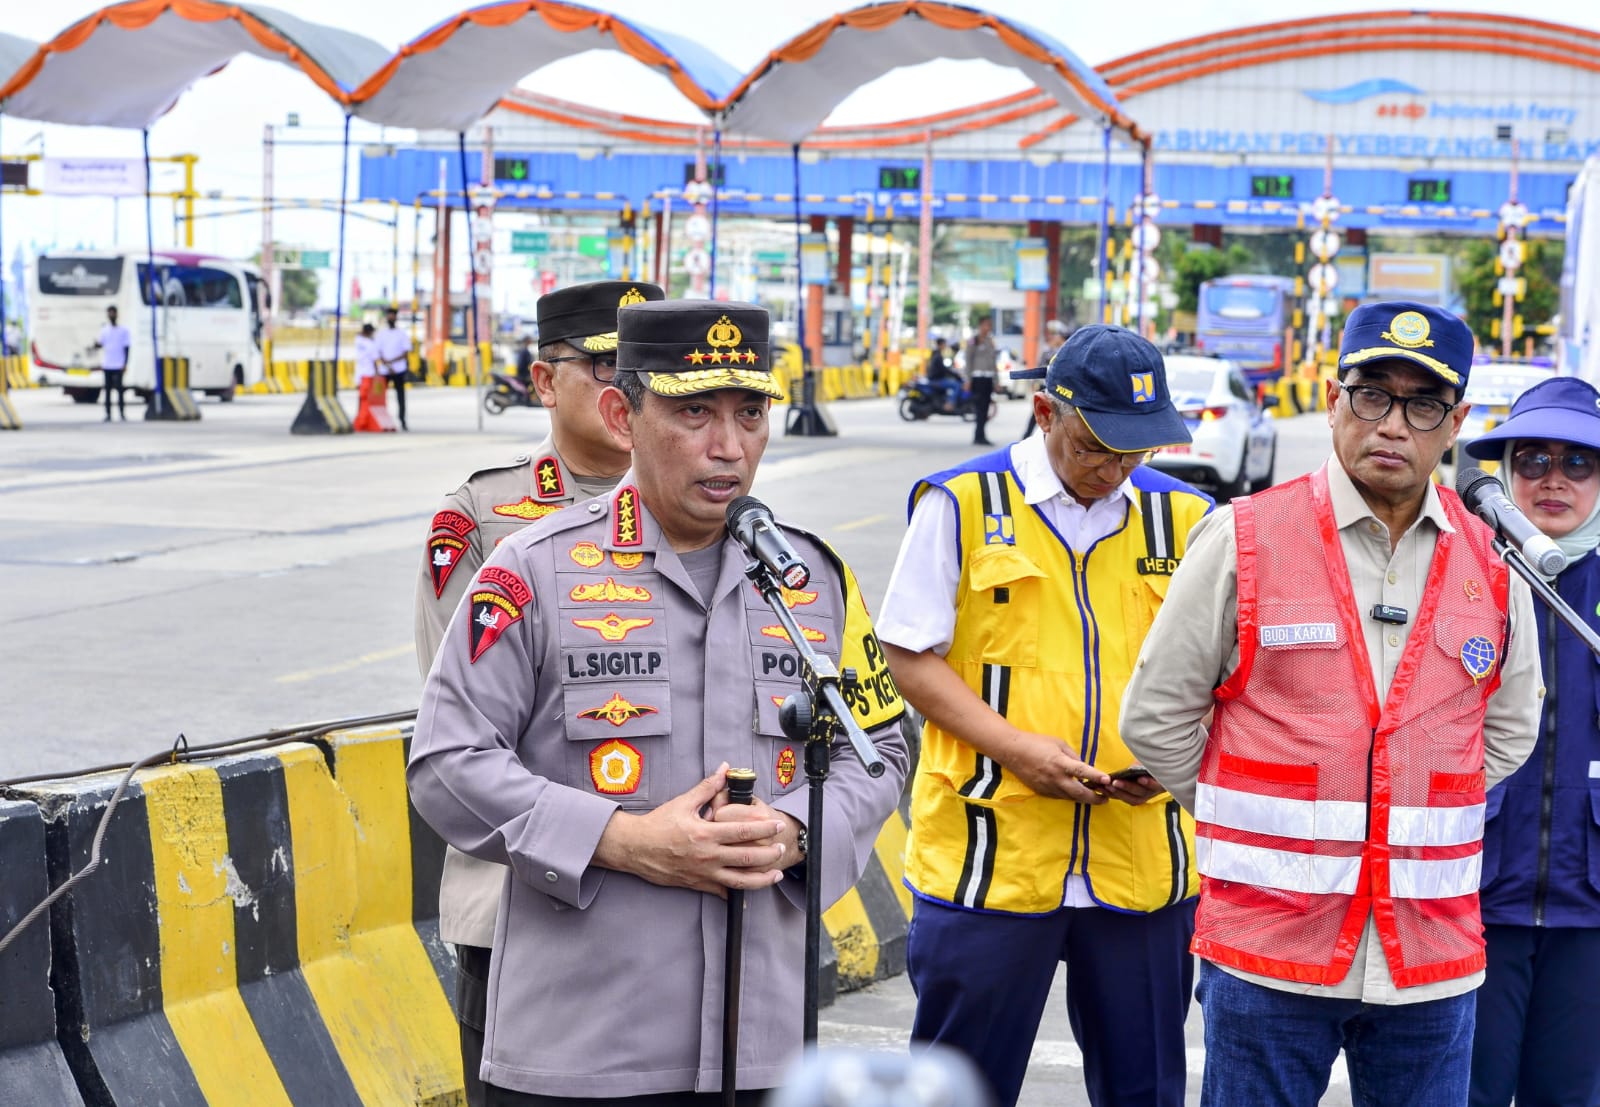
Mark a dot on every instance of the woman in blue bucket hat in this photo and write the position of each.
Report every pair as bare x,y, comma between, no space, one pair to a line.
1539,1006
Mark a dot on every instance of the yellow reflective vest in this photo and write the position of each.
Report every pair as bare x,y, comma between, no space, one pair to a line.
1048,637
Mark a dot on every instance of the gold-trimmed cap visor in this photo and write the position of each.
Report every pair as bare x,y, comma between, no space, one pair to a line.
1401,330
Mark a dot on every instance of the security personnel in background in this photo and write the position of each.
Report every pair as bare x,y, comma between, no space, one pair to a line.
1024,589
578,460
1340,668
608,666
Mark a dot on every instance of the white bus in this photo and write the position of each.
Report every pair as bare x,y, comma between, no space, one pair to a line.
1578,345
209,312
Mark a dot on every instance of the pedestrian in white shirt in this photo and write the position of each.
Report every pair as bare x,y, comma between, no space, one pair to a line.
394,356
113,345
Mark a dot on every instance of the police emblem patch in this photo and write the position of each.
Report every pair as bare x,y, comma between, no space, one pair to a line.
999,530
627,560
613,627
785,766
586,554
1478,656
444,554
615,767
617,710
1144,387
632,296
497,603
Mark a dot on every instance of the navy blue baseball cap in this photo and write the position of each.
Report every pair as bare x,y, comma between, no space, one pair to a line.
1118,383
1561,409
1399,330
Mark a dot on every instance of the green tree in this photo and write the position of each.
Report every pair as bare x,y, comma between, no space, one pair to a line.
1194,264
1477,280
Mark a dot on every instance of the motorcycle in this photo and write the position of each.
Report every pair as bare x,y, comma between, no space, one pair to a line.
921,398
508,391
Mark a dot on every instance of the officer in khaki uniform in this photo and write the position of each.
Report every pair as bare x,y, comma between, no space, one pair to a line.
579,459
609,664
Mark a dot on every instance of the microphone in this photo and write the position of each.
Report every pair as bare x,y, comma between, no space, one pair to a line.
752,526
1486,497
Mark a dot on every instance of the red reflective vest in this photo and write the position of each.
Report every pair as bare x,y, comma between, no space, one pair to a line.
1316,804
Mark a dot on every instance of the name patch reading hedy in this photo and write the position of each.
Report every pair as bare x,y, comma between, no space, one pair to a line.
454,522
615,767
1158,566
1300,634
527,508
444,554
497,603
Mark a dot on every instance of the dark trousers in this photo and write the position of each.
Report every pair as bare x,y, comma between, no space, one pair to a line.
501,1097
114,381
1538,1019
397,381
982,981
472,1011
982,393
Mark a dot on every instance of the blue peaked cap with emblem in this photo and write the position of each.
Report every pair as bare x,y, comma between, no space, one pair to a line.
1118,383
1399,330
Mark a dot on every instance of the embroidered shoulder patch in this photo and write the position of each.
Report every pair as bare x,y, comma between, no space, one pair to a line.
527,508
454,522
444,554
625,529
492,614
548,475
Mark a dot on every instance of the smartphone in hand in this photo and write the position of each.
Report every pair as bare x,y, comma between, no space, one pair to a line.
1131,773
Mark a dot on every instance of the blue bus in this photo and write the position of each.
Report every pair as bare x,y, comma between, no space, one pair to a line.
1246,319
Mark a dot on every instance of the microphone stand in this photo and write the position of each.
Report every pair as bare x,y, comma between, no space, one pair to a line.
1552,599
814,716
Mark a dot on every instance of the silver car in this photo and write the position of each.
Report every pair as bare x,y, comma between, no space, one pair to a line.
1235,443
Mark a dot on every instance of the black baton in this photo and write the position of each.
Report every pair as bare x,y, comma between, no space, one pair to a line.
741,789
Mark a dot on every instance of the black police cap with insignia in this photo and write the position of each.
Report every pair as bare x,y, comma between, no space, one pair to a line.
585,315
681,347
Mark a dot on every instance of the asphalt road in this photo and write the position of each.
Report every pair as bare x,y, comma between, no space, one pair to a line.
223,578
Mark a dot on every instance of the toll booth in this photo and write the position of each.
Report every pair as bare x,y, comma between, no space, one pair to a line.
838,329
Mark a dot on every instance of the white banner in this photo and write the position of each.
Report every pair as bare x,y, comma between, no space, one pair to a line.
94,176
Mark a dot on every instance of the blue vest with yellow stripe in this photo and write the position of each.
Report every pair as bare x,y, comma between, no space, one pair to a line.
1048,637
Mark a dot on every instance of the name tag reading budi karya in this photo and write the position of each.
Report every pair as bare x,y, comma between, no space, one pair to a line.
1300,634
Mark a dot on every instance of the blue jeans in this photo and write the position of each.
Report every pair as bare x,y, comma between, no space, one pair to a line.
1265,1047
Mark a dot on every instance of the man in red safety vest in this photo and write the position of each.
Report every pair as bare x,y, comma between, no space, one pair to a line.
1372,667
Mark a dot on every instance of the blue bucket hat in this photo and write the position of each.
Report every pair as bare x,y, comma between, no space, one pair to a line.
1117,382
1401,330
1561,409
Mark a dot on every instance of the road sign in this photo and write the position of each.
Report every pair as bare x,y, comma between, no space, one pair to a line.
303,259
592,245
530,242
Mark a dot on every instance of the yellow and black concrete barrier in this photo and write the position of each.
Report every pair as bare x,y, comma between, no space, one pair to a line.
321,413
866,930
172,401
30,1056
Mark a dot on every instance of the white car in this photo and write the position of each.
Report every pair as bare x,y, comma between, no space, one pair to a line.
1235,443
1492,387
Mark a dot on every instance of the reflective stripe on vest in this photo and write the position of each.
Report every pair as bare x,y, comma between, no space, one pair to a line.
1334,820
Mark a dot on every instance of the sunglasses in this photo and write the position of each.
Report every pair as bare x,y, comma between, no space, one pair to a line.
1534,464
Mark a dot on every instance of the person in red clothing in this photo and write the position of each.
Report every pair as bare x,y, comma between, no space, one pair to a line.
1371,667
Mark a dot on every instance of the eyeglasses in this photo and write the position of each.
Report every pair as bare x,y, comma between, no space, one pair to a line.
1423,413
1099,459
602,366
1534,464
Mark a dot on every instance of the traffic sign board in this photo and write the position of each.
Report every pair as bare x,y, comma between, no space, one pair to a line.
592,245
304,259
530,242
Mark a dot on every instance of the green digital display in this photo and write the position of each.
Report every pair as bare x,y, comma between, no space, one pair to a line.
898,178
1272,186
1428,190
511,169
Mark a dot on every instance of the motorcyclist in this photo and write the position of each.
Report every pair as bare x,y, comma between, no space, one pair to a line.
942,374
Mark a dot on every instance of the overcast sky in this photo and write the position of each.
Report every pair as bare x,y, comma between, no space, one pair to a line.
222,116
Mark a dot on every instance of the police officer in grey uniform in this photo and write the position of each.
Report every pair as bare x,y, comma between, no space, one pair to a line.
608,665
579,459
